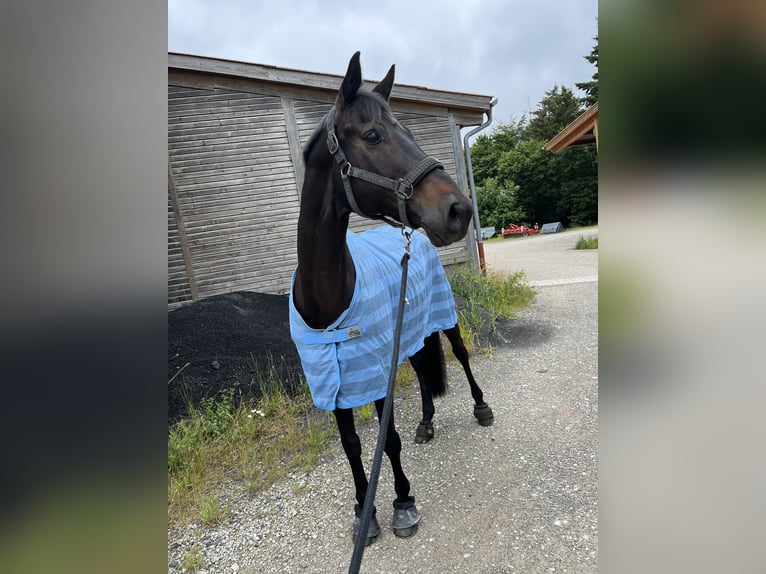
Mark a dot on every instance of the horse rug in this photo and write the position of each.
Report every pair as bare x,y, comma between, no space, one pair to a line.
347,364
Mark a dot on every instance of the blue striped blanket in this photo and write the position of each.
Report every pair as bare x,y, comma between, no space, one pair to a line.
347,364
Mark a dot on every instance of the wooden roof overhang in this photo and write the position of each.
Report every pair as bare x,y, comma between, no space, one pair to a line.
582,131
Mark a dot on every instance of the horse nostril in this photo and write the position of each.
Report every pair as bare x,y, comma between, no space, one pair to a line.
458,212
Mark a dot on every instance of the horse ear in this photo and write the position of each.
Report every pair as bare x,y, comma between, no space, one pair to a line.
385,85
351,82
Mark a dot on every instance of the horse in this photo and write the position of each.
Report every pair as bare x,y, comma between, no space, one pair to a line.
396,182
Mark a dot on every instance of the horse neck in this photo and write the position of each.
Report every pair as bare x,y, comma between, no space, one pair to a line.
324,282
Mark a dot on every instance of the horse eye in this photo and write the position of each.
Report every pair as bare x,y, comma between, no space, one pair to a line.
372,137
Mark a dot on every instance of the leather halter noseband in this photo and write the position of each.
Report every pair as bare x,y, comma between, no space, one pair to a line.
402,187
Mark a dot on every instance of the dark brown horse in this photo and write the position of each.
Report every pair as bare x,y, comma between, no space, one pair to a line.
361,159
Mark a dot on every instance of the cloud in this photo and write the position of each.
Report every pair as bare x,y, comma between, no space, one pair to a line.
513,50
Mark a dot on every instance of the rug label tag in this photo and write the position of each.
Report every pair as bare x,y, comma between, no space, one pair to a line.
354,331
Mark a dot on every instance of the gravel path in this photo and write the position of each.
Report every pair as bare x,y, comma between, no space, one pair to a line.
519,496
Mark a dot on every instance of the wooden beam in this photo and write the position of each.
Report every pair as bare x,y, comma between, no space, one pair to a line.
294,141
595,131
578,132
182,234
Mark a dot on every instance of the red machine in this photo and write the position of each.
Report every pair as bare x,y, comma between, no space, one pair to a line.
519,230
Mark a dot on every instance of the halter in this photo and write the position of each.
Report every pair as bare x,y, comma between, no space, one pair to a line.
402,187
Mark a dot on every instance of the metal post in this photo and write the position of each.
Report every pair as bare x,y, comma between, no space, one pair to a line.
462,183
476,222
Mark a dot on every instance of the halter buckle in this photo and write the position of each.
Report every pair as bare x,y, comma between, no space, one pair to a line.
402,187
332,142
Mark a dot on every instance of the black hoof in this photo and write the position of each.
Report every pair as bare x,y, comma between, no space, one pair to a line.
484,415
424,433
372,530
406,532
406,518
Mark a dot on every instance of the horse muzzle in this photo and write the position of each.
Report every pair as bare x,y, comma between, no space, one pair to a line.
441,209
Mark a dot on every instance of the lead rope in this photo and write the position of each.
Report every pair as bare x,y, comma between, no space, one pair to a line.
369,499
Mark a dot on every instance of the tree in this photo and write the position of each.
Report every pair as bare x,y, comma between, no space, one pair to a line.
486,150
578,176
590,88
555,111
537,176
498,205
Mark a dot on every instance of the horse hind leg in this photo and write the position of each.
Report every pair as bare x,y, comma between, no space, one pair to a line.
353,448
406,515
428,364
481,409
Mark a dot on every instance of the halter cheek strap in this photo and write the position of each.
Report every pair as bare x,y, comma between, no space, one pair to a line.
402,187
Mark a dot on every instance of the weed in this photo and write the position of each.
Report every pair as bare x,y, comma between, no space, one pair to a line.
488,297
256,441
405,375
193,559
366,412
587,243
210,510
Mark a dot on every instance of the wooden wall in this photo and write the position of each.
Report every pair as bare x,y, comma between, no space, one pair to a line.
234,177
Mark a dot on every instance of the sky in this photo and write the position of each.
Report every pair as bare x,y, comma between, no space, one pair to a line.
515,50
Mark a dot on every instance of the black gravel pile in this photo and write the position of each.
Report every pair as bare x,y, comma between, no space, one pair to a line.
229,341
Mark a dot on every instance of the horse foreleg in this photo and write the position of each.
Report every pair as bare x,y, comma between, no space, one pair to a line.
406,516
352,446
481,409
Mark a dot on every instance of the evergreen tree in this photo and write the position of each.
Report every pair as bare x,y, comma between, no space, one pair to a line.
590,88
558,108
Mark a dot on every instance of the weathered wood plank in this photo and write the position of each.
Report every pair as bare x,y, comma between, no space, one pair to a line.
294,141
223,190
181,234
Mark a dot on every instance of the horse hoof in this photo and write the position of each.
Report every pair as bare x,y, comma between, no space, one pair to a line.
484,415
424,433
406,518
372,530
405,532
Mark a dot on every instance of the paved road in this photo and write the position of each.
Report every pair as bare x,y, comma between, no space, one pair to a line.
546,259
520,496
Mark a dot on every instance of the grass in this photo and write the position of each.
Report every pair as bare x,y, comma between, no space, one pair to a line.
211,511
193,560
257,442
489,296
587,242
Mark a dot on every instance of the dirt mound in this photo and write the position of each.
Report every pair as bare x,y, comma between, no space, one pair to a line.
228,341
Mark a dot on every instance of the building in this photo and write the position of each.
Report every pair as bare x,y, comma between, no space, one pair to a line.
235,170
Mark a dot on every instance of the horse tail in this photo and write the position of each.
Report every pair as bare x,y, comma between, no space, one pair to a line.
432,367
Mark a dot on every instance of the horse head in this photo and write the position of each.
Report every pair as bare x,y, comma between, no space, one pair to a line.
374,142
